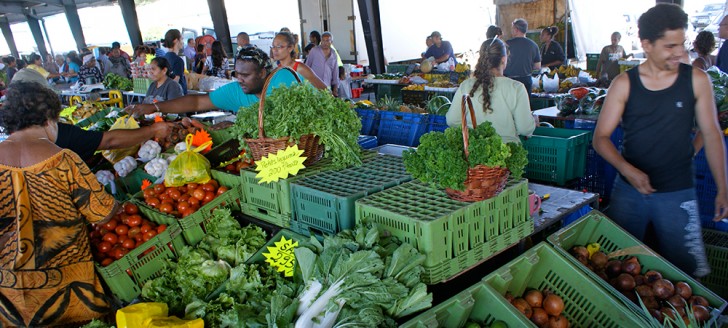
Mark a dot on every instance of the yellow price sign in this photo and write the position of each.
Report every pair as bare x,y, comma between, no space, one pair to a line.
280,165
281,256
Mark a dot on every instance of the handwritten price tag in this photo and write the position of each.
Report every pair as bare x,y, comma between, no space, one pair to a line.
281,256
280,165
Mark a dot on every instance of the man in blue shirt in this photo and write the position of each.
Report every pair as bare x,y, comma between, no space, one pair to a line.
252,68
722,61
441,50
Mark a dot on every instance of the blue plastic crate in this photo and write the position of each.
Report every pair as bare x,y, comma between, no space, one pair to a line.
705,184
599,175
437,123
369,120
401,128
367,142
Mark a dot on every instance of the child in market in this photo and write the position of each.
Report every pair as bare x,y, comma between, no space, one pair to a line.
344,84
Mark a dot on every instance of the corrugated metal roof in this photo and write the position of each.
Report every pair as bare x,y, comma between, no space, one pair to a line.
15,10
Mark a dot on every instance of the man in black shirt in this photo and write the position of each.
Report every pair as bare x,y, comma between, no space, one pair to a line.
657,104
85,143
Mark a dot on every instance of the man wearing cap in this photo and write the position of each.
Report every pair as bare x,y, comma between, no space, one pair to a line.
441,50
86,143
252,68
89,70
117,45
525,56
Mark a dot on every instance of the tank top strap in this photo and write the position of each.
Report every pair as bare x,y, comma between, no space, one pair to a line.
295,66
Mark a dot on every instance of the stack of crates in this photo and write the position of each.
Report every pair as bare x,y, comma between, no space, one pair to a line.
453,235
706,190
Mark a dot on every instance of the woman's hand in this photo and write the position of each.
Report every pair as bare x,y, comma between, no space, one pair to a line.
139,109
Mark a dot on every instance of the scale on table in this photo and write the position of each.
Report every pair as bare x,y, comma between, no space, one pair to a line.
87,88
215,117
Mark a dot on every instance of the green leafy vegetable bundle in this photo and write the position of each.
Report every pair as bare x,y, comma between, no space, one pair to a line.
440,158
301,109
116,81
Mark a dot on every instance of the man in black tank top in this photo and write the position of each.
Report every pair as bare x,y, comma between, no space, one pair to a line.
658,103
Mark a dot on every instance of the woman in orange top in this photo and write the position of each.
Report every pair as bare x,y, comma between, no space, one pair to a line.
47,198
283,50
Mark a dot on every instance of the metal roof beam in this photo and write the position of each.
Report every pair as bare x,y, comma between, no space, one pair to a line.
57,3
12,8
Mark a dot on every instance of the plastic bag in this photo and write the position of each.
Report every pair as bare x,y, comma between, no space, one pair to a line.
116,155
189,166
550,84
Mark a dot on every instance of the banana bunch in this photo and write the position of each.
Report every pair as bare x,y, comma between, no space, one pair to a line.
565,86
459,68
415,87
568,71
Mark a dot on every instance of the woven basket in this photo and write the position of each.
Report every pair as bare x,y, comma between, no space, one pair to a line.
482,182
262,146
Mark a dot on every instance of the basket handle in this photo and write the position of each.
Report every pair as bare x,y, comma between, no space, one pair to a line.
261,103
463,108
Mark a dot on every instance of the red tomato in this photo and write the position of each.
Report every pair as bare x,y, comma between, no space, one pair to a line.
182,206
182,190
159,189
186,213
153,202
184,198
130,208
122,238
116,254
133,231
104,246
209,196
161,228
199,193
221,190
111,238
111,225
129,243
94,234
230,168
194,201
166,208
208,187
149,235
139,238
175,194
121,230
164,197
103,231
214,183
107,261
192,186
145,228
149,193
135,220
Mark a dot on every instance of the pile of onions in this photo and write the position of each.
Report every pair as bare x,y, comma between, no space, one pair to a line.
544,309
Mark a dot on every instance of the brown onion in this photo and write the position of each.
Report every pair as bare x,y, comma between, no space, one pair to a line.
698,300
599,259
534,298
639,280
558,322
681,311
625,282
663,289
644,291
650,302
668,312
676,301
602,275
580,252
630,295
701,313
509,297
652,276
684,290
657,315
540,317
523,307
614,268
553,305
631,266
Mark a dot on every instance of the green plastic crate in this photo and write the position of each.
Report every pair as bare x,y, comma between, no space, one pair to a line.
126,276
193,226
716,248
591,62
132,183
221,136
271,201
556,155
453,235
595,227
389,90
478,303
586,304
324,203
141,85
227,179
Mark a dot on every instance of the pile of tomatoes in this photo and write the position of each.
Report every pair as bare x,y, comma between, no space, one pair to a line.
234,168
182,201
127,230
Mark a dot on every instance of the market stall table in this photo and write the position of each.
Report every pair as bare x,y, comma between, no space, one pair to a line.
560,204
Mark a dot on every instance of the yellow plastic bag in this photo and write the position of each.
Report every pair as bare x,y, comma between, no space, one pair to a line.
189,166
115,155
173,322
135,315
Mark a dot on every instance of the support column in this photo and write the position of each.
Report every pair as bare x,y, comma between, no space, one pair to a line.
128,11
218,13
8,34
369,10
35,29
74,22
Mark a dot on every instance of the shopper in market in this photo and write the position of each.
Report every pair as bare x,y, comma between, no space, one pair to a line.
163,86
525,56
49,198
36,64
284,54
657,104
704,45
190,52
243,40
200,59
496,98
314,39
428,44
140,55
11,67
722,60
252,69
217,63
73,65
552,55
117,45
89,73
103,60
119,65
493,32
322,60
608,62
441,50
86,143
173,43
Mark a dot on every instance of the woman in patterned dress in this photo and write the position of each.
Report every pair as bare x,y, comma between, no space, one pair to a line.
47,198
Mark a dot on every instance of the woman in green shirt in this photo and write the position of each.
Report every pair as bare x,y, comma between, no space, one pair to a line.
496,98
